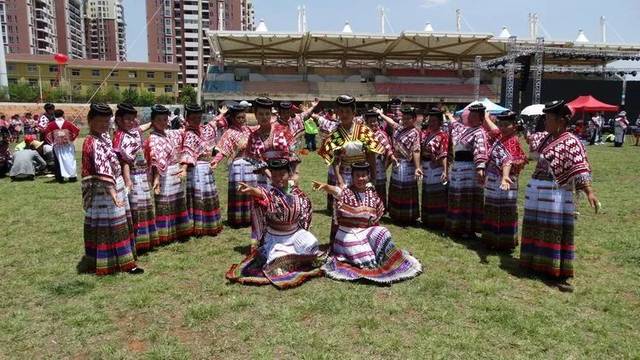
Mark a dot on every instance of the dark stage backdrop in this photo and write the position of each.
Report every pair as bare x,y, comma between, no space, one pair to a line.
607,91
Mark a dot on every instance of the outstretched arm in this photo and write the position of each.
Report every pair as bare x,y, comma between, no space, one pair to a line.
329,189
145,127
450,116
389,120
245,189
306,111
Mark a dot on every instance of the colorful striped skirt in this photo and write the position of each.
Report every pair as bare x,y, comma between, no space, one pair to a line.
369,254
500,217
381,180
547,229
172,216
286,260
465,200
202,200
404,205
434,196
345,171
239,205
143,211
109,243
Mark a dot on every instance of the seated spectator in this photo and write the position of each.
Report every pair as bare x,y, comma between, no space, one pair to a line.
5,155
26,165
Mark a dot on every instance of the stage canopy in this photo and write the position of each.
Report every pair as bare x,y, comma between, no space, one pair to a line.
587,103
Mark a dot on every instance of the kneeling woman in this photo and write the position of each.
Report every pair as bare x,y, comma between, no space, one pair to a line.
362,249
286,254
108,235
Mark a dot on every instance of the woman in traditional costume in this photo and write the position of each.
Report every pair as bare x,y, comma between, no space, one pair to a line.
549,210
404,206
61,133
620,128
233,146
128,145
267,142
434,153
383,160
506,161
203,204
466,175
347,141
283,252
108,236
363,249
162,152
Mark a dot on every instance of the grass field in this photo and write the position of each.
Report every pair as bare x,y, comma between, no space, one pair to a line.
467,304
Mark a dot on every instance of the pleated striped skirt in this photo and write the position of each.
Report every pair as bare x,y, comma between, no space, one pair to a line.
465,200
143,211
203,203
434,196
108,235
172,217
404,206
547,229
239,205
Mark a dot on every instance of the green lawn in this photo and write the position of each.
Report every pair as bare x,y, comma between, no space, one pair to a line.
467,304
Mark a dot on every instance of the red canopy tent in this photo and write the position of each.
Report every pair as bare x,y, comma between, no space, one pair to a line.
587,103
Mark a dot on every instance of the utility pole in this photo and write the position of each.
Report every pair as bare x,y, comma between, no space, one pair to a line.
4,82
200,58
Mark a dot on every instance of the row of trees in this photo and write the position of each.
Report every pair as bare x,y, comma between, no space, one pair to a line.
24,92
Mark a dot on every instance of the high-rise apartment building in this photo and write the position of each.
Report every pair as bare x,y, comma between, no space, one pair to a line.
29,26
105,30
70,28
172,33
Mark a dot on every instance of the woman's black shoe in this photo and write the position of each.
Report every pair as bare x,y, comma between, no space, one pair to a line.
136,271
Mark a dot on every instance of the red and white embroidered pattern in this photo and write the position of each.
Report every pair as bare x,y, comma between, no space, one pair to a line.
162,150
99,160
564,158
276,145
198,143
234,141
435,144
405,142
61,135
279,210
384,141
473,139
127,144
507,151
43,122
359,208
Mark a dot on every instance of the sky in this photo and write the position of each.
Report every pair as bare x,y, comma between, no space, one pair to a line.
560,19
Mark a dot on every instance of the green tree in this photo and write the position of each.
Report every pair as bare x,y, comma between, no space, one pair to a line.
146,98
165,99
130,96
92,94
23,92
112,95
188,95
58,94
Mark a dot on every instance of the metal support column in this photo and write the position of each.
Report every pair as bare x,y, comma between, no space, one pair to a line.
539,70
511,72
476,77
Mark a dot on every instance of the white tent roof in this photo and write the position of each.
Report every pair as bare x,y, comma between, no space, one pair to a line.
339,45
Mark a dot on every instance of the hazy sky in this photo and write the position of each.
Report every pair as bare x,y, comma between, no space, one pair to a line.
560,19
